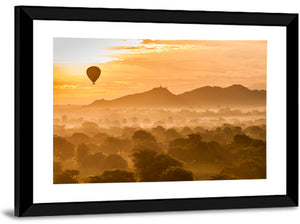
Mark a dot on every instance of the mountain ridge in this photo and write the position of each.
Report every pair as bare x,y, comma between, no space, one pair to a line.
234,95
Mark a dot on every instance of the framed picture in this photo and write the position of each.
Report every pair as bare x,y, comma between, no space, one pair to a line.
121,110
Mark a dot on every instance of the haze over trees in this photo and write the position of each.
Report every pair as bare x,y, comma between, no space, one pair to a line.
210,133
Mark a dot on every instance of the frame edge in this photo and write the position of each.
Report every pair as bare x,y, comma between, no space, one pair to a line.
23,111
292,108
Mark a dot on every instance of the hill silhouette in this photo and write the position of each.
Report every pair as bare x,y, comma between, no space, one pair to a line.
157,97
235,95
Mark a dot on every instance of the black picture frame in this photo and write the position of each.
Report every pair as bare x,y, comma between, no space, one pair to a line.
24,18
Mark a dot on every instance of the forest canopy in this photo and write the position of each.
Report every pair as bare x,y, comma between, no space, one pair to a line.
160,154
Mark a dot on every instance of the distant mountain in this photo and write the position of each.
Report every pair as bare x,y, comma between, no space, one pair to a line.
157,97
235,95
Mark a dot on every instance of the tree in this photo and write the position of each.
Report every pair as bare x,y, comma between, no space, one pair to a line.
115,161
172,134
114,145
142,135
175,173
144,140
78,138
62,149
159,133
256,132
65,177
163,161
242,139
93,163
114,176
186,131
159,130
150,165
128,132
99,138
90,128
249,169
82,152
57,167
224,177
193,148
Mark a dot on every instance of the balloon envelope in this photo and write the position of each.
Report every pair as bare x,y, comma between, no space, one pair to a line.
93,73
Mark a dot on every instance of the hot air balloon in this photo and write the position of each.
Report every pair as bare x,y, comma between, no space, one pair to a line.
93,73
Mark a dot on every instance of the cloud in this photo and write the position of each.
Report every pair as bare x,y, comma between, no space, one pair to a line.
173,42
66,87
180,65
121,82
125,48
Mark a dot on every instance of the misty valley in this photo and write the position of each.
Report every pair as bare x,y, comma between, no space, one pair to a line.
141,143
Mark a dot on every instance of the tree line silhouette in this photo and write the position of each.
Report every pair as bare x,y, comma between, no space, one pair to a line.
160,154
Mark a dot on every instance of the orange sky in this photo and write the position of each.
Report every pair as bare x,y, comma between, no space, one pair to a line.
132,66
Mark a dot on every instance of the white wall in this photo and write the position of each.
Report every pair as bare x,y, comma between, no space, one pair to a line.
278,215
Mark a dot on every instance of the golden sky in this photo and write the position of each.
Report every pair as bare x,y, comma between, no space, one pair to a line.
132,66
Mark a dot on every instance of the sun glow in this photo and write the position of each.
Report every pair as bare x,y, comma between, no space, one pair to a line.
130,66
